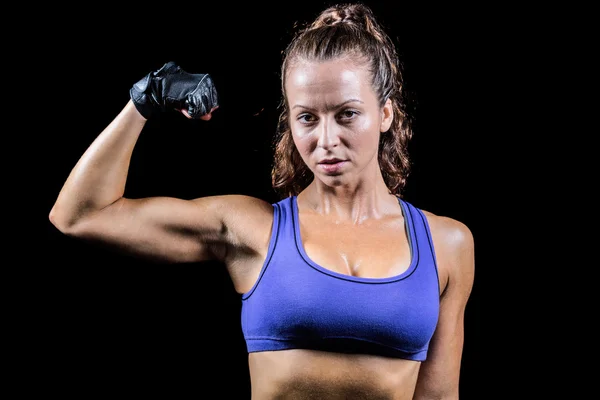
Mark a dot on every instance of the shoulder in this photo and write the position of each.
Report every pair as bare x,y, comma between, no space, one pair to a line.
454,247
236,209
449,232
247,220
234,202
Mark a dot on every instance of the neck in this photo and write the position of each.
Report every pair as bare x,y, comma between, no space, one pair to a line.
352,203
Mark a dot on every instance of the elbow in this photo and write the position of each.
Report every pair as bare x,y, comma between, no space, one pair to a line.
61,221
74,220
57,220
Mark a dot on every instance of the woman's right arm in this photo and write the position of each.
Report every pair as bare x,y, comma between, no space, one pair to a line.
91,206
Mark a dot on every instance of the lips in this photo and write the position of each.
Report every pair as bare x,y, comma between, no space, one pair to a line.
330,161
332,166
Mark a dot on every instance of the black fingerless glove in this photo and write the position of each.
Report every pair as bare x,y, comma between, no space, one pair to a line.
171,88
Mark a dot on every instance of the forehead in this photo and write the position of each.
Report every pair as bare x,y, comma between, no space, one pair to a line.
332,79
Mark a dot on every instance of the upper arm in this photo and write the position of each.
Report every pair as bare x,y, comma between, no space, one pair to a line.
439,374
171,229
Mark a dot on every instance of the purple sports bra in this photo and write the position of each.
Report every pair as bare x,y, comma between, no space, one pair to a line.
299,304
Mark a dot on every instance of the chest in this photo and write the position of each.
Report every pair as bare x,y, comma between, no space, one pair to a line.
376,250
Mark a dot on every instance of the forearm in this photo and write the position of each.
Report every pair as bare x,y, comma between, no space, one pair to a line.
98,179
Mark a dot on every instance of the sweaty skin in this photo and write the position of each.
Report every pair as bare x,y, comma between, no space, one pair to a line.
309,374
349,223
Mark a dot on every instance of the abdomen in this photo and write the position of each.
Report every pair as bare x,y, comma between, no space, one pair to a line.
310,374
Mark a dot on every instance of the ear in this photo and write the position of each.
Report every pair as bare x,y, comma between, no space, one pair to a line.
387,116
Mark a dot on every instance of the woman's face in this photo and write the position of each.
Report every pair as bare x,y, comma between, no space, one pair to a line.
336,119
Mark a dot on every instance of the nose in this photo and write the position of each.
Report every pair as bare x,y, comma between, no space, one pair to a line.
328,134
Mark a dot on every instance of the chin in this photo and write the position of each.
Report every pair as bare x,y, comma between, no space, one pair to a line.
333,180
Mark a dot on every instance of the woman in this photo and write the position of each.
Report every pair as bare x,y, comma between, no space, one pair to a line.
348,291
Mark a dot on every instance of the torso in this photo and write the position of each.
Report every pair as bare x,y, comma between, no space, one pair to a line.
309,374
375,249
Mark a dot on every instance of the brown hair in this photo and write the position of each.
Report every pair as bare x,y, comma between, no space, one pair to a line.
340,30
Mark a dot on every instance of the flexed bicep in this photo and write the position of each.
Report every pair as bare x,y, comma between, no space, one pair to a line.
160,228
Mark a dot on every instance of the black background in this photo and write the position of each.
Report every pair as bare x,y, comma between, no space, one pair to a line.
109,324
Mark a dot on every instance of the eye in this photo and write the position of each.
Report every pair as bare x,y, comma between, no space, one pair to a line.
348,114
306,118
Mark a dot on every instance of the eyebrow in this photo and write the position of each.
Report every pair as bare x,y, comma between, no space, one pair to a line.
331,108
